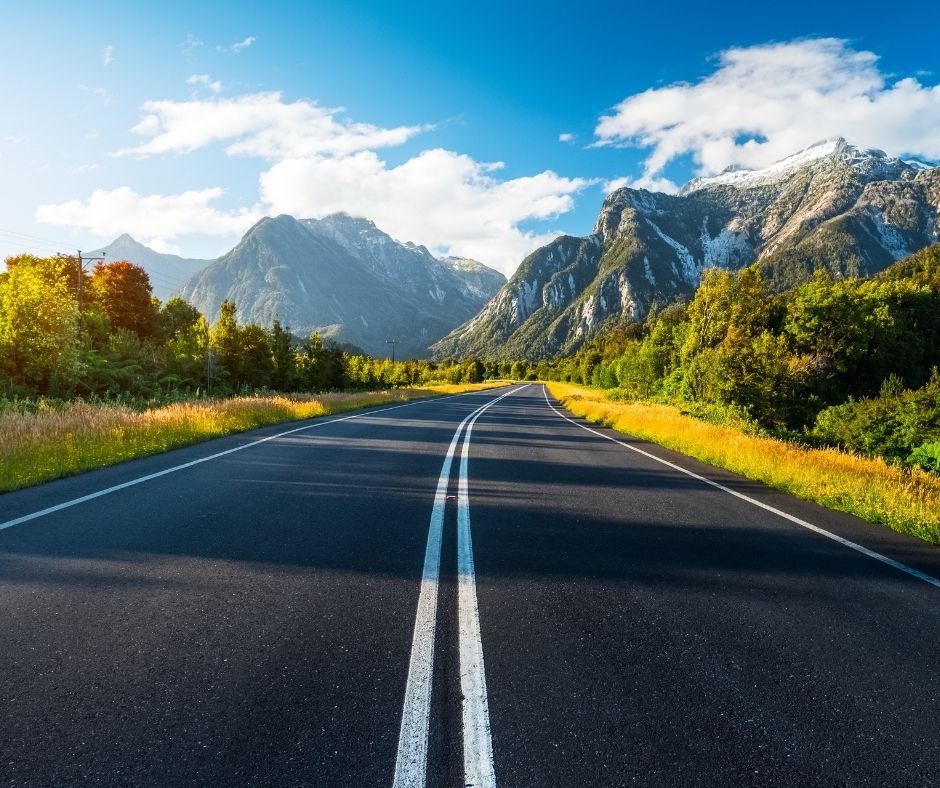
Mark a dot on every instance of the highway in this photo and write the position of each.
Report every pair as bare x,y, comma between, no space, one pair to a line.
471,590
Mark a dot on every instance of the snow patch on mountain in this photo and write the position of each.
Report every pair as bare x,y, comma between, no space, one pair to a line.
690,271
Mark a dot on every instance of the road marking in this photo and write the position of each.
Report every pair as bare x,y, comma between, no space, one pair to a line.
91,496
477,741
767,507
412,758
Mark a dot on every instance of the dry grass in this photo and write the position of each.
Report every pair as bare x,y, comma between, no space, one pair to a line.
60,441
907,501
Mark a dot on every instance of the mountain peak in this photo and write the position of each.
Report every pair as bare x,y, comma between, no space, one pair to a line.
125,240
872,163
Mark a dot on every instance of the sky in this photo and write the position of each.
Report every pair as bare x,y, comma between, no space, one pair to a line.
480,129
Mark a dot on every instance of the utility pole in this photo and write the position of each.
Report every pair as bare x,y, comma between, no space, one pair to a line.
208,369
81,273
392,342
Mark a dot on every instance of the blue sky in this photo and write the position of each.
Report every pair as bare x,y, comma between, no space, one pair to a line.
248,121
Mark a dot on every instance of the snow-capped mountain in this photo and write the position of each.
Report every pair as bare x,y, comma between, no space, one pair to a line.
850,210
346,279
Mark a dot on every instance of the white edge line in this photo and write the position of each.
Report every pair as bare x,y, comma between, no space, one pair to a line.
815,528
91,496
411,760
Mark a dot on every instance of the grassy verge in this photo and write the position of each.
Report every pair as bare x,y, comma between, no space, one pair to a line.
46,444
905,500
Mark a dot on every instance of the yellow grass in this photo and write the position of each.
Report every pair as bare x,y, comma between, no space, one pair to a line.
54,442
905,500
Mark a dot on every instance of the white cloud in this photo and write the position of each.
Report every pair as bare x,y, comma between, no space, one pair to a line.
566,137
205,80
319,162
83,168
243,44
108,55
765,102
652,184
258,124
445,200
155,219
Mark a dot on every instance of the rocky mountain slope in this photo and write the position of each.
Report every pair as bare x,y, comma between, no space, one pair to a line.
850,210
167,271
344,278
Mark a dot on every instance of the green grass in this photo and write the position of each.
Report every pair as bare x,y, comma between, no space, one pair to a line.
54,441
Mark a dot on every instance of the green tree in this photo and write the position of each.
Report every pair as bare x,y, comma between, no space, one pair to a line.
224,346
39,331
283,360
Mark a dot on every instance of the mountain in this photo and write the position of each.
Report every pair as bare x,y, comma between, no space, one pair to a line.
167,271
849,210
346,279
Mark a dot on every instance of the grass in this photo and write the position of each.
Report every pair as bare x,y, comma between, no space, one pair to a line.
39,444
907,501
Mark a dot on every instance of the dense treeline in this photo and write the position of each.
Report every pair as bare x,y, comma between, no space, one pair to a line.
847,362
101,334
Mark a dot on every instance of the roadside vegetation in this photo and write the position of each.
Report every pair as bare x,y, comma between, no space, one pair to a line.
905,499
43,441
843,363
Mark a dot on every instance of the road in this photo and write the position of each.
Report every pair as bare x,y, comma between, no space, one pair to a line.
384,600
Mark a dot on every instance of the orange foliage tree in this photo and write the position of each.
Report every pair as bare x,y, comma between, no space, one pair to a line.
123,292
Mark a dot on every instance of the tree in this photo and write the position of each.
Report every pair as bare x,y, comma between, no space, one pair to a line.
122,291
254,364
284,372
177,317
223,343
39,336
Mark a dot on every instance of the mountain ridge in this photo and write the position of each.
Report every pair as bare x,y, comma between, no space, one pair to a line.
344,278
849,210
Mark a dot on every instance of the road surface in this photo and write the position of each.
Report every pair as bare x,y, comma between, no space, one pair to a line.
473,590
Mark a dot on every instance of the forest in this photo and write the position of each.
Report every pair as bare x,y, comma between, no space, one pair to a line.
100,335
850,363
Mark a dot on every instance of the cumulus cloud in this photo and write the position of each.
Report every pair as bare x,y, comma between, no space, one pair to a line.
155,219
445,200
765,102
317,162
566,137
206,81
257,124
108,55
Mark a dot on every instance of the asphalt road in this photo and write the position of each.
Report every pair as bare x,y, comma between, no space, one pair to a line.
381,600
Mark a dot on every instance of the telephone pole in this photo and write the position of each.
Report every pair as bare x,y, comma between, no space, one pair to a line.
392,342
81,273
